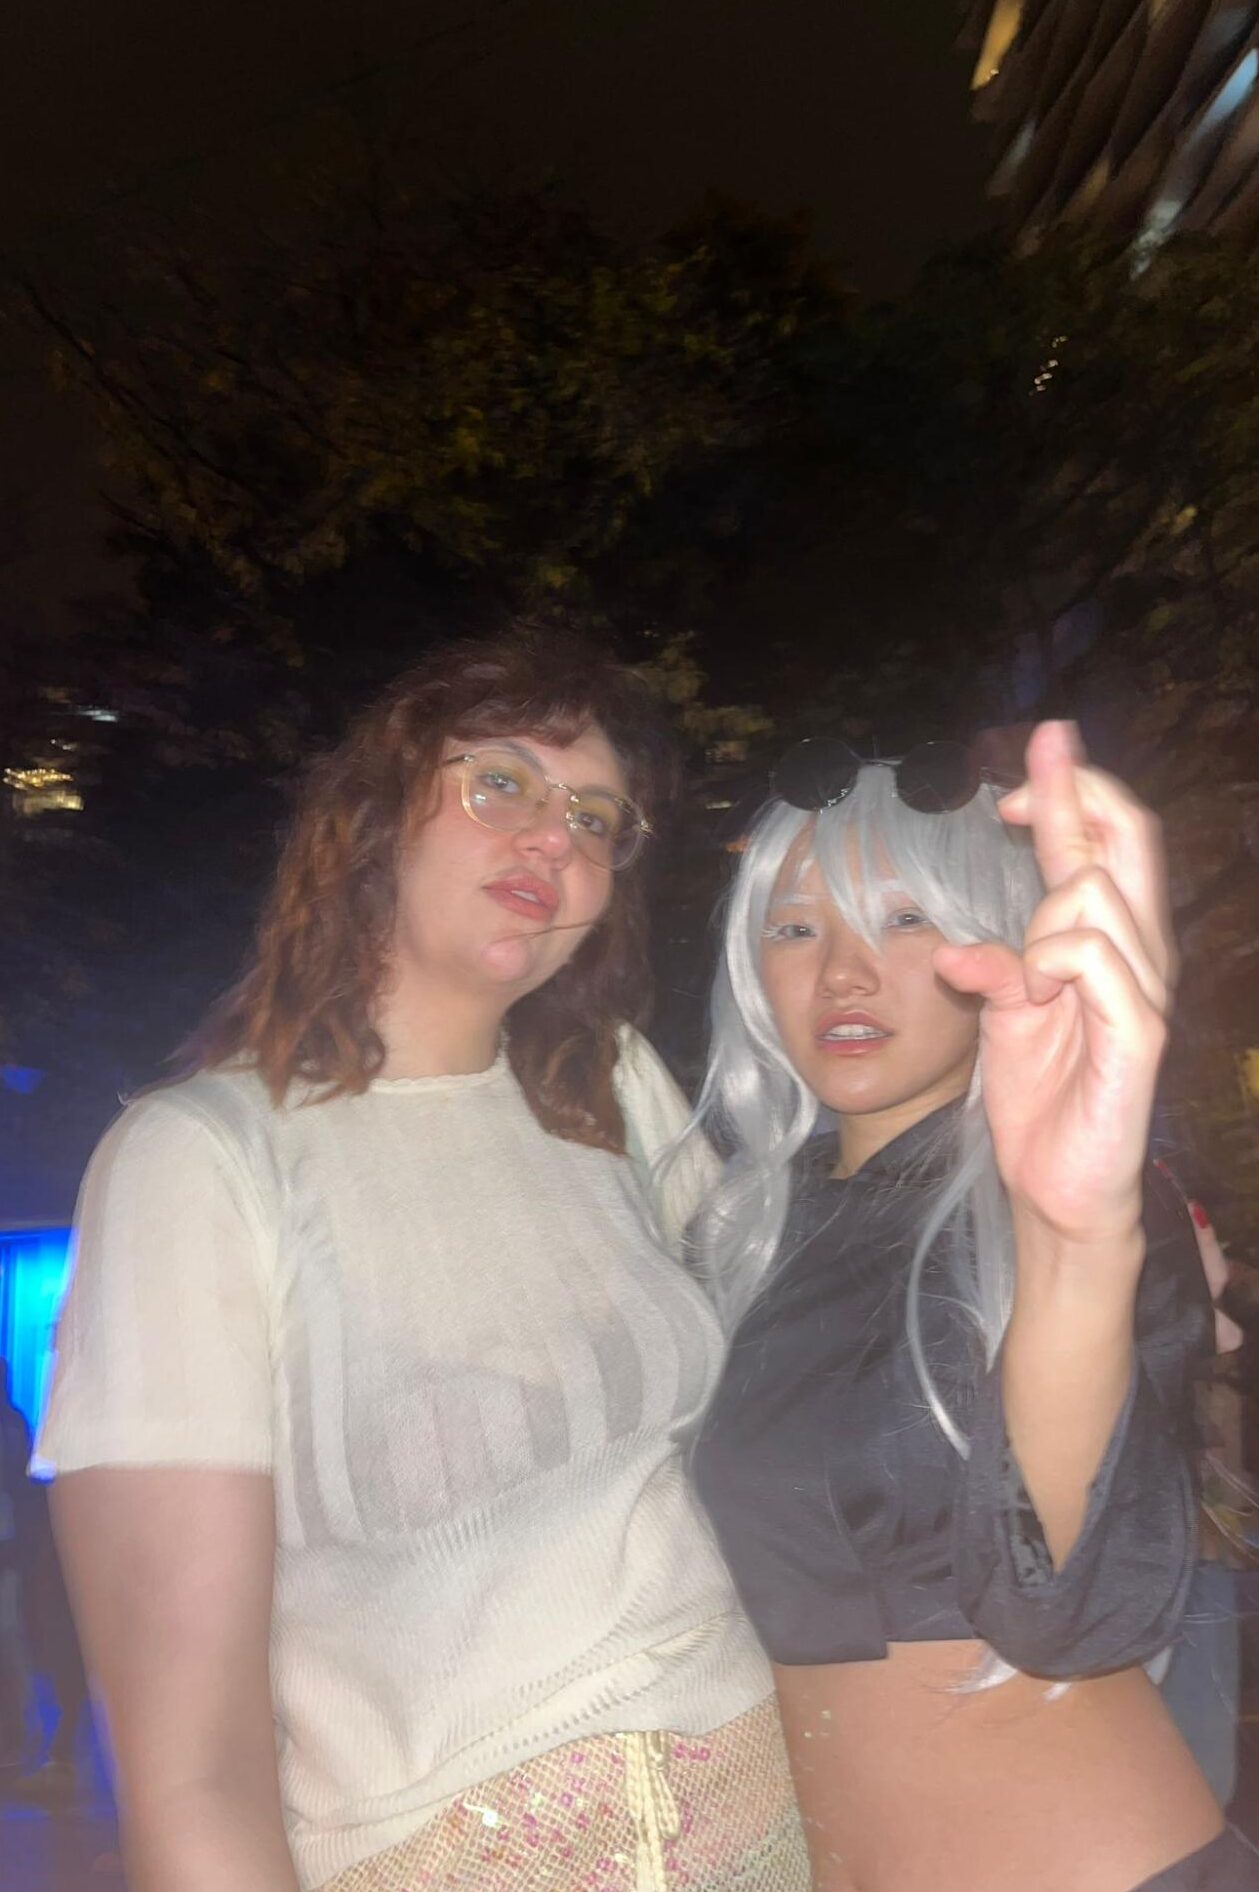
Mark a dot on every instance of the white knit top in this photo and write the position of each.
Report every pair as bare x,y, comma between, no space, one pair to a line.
470,1369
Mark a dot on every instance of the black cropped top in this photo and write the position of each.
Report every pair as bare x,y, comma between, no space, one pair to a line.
847,1518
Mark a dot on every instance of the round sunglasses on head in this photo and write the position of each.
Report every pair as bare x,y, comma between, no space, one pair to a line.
935,778
506,788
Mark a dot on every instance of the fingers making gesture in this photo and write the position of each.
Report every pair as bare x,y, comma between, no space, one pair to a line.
1074,1026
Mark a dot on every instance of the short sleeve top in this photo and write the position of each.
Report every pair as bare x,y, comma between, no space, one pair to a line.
470,1363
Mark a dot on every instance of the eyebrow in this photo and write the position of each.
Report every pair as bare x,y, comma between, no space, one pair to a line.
473,745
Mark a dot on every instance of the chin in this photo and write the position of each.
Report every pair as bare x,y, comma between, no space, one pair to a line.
511,961
853,1093
840,1076
847,1103
520,962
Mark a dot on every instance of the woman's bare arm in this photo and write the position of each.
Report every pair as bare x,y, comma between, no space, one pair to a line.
1072,1036
170,1574
1067,1362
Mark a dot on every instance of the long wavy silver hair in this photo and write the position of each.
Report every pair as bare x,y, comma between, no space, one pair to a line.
976,880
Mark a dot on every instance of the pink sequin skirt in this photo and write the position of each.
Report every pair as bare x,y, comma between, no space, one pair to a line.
616,1813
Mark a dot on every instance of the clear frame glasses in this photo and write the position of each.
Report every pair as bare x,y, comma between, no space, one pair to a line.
506,788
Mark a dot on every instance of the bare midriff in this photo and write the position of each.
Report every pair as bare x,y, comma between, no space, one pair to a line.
907,1785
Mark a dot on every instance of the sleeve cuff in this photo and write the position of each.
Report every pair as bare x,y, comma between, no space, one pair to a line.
1118,1598
239,1451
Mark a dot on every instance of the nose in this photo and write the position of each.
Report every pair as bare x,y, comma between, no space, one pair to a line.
849,965
547,835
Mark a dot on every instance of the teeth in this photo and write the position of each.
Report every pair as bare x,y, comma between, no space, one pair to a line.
855,1031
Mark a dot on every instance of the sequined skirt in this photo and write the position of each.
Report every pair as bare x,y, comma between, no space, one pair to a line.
616,1813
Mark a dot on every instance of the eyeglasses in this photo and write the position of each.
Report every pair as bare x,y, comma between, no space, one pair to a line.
934,778
506,788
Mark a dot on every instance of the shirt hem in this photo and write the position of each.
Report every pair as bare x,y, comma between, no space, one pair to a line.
322,1856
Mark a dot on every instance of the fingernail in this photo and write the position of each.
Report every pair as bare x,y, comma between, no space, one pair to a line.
1199,1215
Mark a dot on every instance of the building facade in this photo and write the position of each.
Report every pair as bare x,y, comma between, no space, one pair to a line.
1134,118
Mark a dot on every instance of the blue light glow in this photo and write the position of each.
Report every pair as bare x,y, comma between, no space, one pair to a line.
34,1270
23,1078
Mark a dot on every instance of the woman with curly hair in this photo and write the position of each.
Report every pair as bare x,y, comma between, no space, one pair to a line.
376,1371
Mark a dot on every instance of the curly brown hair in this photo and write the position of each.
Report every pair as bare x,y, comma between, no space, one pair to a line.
304,1006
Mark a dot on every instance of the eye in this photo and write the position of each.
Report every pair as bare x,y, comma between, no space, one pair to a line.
907,920
592,821
496,780
785,932
597,816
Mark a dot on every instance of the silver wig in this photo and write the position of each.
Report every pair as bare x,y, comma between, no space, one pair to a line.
976,880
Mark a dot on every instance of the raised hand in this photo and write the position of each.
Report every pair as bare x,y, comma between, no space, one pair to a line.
1081,817
1074,1027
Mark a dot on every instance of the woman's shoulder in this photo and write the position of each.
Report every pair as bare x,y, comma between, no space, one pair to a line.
184,1185
654,1104
225,1114
229,1096
678,1169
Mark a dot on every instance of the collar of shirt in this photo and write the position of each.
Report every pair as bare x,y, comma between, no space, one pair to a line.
920,1154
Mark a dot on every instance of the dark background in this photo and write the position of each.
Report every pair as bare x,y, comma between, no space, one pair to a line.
854,111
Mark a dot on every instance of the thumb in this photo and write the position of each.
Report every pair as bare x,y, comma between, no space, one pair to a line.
991,971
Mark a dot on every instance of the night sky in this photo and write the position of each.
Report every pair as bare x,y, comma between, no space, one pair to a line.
853,109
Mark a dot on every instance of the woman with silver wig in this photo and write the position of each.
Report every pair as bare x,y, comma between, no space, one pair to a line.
949,1461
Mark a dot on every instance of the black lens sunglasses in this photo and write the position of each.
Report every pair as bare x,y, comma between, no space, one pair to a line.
935,778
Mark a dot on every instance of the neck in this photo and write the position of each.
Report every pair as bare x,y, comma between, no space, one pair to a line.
861,1137
437,1034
